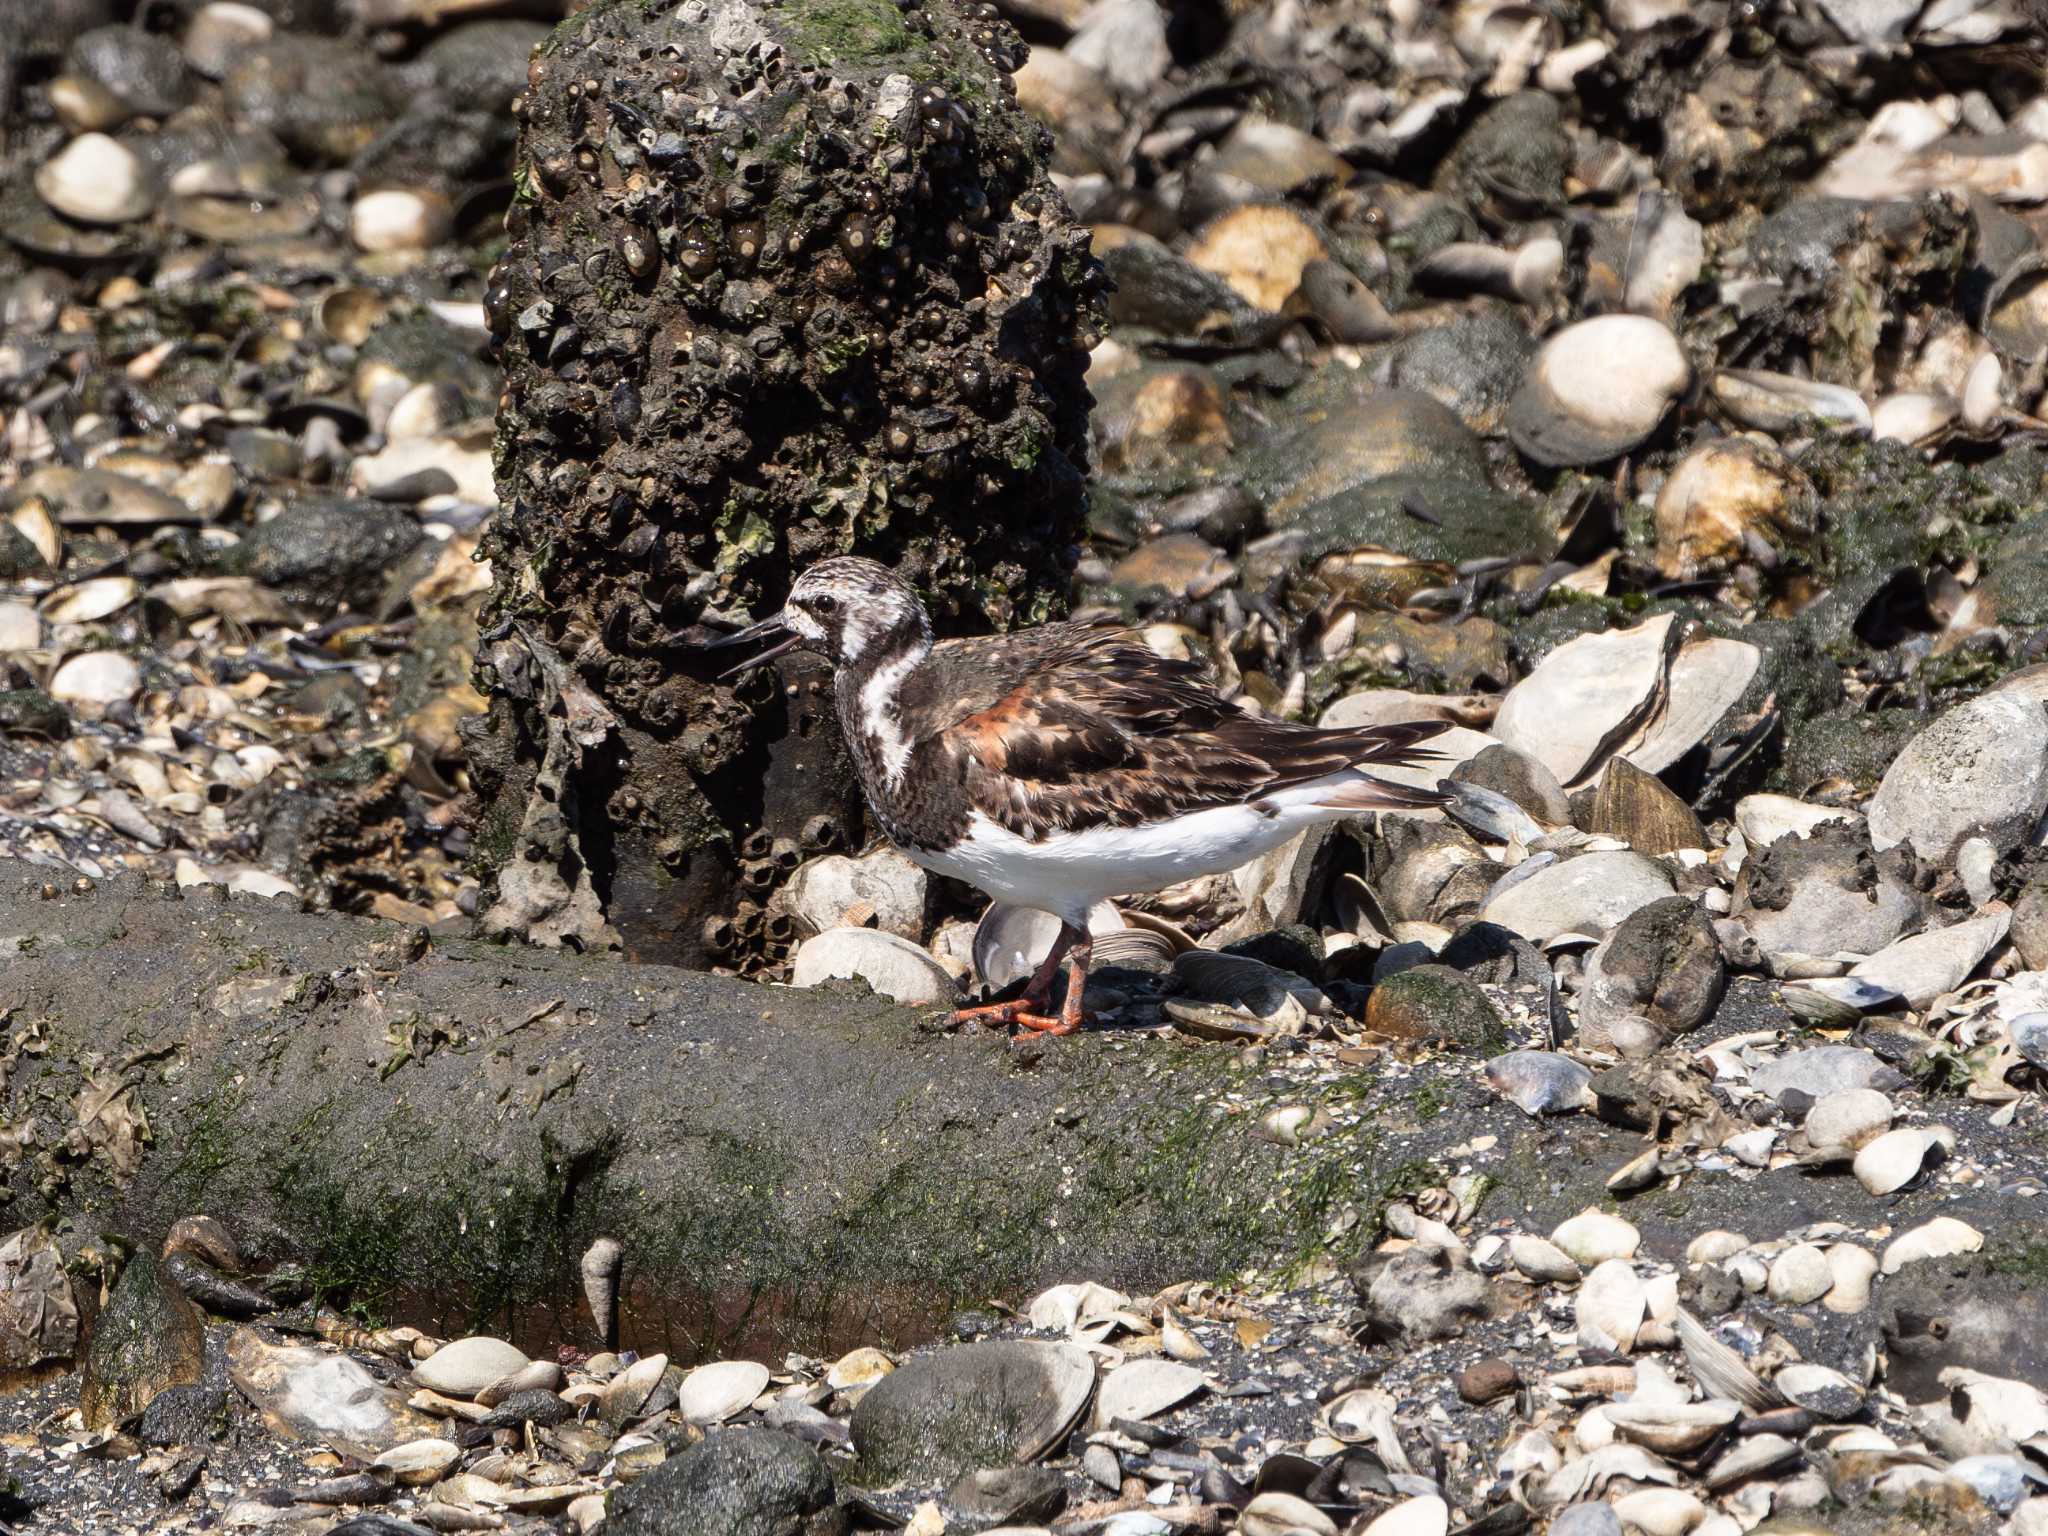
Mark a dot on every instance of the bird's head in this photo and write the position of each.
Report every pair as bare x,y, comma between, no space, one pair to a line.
844,609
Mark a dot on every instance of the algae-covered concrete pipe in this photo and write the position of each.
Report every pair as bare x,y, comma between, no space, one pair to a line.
437,1130
783,281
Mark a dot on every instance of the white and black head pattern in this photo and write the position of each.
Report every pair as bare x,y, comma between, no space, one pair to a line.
847,608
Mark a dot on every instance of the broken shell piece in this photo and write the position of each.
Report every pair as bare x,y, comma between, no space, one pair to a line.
1720,1371
1611,1307
1672,1429
1782,402
1942,1238
1895,1159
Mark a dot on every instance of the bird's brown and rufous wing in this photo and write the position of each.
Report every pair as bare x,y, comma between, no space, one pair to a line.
1089,728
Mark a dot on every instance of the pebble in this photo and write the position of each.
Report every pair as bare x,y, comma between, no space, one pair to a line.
220,32
1980,770
1798,1275
96,180
1594,1237
399,220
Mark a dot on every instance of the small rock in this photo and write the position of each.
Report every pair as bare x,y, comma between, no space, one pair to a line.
1660,974
1980,770
1589,894
1436,1002
1821,1070
96,180
1798,1275
948,1413
1008,1496
738,1482
146,1339
1841,1123
1487,1381
1593,1237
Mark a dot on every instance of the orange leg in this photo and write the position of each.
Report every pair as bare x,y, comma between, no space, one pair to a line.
1028,1011
1071,1017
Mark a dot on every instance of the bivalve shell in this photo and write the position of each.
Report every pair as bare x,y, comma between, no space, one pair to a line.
1896,1159
1597,389
715,1393
1672,1429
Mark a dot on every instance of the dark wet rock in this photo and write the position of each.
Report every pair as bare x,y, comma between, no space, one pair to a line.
329,552
1658,975
1336,474
324,98
944,1415
996,1496
1081,1168
32,712
1437,1002
1826,892
1473,364
1820,1070
887,305
1419,1294
536,1406
1156,289
2030,926
146,1339
1296,947
1985,1312
185,1415
739,1482
1513,157
1338,298
483,64
1521,778
144,69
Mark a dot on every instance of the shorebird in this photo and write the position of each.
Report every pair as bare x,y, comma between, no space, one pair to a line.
1061,766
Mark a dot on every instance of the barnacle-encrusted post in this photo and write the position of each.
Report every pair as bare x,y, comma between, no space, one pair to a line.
783,280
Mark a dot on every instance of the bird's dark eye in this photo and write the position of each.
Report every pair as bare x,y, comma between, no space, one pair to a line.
824,602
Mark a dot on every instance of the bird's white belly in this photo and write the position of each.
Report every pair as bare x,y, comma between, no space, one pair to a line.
1066,873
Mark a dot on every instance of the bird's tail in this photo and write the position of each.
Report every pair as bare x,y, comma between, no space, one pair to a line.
1370,794
1393,746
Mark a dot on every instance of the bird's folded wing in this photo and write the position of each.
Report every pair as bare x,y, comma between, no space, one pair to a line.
1101,732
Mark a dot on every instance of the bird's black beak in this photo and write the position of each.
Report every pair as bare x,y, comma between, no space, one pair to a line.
767,629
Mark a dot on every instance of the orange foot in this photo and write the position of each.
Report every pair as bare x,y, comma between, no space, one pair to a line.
1021,1011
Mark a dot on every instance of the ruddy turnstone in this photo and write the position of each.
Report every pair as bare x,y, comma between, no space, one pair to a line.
1060,766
